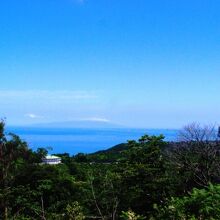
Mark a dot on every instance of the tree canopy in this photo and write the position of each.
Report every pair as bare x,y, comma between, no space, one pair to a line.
144,179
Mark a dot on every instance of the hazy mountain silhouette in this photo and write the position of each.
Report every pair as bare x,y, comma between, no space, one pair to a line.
78,124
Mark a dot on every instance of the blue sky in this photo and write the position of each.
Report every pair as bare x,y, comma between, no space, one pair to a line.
139,63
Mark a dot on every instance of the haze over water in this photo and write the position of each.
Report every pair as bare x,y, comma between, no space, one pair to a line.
84,140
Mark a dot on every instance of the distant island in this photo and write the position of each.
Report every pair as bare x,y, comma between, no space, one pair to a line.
78,124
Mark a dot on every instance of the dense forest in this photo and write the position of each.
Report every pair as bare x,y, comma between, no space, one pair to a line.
144,179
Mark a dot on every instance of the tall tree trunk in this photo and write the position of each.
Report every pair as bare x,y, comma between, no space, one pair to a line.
42,209
5,213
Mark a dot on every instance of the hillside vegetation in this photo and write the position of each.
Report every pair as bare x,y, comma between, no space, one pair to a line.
144,179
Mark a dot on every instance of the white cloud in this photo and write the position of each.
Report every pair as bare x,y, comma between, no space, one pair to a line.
97,119
37,105
48,95
33,116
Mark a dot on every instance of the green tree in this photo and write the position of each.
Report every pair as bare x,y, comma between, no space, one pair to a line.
130,215
201,204
103,190
74,212
13,152
144,176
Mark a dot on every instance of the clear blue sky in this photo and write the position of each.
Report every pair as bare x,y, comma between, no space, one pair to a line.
140,63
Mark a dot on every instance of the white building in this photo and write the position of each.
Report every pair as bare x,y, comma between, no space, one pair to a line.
50,159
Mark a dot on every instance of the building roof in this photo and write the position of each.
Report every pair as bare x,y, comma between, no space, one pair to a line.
52,157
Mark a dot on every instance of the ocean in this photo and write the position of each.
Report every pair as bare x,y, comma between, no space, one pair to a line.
83,140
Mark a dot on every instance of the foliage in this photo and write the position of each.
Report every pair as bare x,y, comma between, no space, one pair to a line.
144,175
203,204
130,215
150,178
74,212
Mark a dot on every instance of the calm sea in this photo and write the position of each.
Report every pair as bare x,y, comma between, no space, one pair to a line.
73,141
